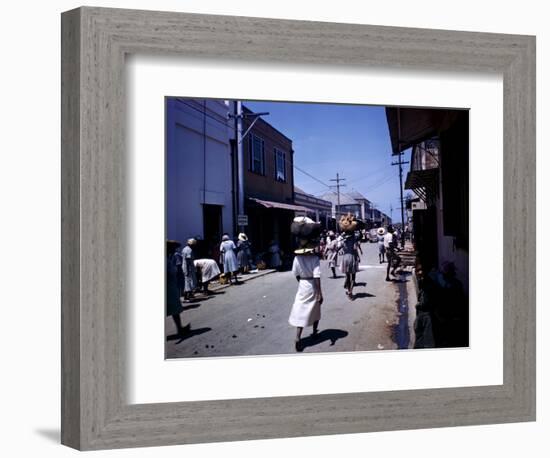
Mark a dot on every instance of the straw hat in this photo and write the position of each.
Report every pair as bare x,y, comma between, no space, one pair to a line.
225,238
191,241
242,237
381,231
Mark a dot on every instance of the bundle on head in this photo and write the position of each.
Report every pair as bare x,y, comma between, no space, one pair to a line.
306,230
348,223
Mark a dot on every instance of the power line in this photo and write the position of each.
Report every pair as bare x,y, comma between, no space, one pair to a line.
372,173
203,112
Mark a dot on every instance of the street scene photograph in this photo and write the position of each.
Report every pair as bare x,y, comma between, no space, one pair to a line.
295,228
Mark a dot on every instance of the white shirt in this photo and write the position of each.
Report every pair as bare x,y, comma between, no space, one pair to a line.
306,266
388,238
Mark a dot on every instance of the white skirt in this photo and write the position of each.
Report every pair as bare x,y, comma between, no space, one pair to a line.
306,309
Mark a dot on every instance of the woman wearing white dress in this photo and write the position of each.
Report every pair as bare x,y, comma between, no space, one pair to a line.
306,309
207,270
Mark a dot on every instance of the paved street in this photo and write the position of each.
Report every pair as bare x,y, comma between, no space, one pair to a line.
252,318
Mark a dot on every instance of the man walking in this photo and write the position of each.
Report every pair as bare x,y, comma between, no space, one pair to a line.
390,244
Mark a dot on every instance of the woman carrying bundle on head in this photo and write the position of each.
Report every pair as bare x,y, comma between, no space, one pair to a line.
349,247
306,309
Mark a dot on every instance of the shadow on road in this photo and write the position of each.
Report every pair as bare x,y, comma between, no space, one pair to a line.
360,283
328,334
360,295
191,333
196,305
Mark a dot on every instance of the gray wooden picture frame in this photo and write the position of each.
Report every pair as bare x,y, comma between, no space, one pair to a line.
95,413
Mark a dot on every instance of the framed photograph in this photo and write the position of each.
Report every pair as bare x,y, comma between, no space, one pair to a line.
287,228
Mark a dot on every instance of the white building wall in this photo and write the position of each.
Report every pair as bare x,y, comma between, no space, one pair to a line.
198,165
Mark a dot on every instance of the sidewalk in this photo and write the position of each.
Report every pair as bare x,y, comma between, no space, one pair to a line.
216,285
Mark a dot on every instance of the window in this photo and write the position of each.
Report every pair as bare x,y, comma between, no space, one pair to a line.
280,169
257,155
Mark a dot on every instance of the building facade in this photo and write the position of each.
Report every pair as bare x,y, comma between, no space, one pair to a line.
364,203
268,185
199,171
439,176
317,209
342,206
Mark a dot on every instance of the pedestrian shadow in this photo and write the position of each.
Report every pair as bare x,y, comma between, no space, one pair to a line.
337,277
187,335
361,283
327,334
398,280
190,301
361,295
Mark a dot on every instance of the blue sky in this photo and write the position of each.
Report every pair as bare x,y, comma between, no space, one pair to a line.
352,140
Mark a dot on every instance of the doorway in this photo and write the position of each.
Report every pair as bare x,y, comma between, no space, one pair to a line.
213,228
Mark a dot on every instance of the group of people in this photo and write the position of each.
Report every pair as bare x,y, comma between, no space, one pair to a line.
186,275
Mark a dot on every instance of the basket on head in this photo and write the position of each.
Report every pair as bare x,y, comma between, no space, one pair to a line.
307,232
348,223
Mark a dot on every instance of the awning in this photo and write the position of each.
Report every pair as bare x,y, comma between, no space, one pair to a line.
424,183
409,126
281,205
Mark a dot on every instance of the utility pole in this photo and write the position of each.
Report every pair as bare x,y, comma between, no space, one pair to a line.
238,116
338,186
400,164
240,159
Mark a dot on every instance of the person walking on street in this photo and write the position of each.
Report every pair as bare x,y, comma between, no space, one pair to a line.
381,249
331,252
306,267
390,245
229,258
349,248
173,304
